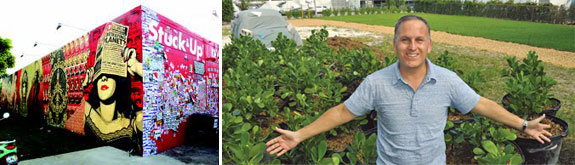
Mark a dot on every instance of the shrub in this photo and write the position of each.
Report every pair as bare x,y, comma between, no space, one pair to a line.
295,83
528,86
227,10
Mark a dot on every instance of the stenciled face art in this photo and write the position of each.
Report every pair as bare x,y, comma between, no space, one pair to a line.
106,87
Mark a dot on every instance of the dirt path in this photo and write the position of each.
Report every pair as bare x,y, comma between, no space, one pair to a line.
562,58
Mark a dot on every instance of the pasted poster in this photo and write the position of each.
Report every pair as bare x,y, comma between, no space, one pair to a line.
58,90
110,113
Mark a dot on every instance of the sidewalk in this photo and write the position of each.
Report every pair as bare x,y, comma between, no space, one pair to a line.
100,156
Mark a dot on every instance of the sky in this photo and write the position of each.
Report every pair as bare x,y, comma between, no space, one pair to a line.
26,22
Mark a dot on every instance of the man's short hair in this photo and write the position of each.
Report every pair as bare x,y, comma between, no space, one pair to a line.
407,18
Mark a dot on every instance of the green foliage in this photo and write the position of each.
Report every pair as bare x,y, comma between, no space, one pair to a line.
490,142
448,62
497,29
227,10
289,14
7,60
528,86
326,12
546,13
362,150
243,4
336,12
298,84
246,152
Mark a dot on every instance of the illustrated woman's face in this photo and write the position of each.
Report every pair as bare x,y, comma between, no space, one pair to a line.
106,87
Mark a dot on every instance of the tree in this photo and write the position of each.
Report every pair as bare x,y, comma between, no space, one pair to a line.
6,58
228,10
244,4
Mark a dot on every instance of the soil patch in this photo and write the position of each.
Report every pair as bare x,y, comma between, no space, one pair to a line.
348,44
555,129
339,143
460,154
455,116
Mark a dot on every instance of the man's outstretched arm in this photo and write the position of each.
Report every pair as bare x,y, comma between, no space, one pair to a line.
490,109
330,119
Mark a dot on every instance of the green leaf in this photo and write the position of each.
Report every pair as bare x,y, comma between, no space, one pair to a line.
249,99
509,149
236,112
285,95
343,89
321,94
490,147
246,127
459,139
516,159
478,151
255,129
256,153
322,148
448,137
309,90
244,137
227,107
276,161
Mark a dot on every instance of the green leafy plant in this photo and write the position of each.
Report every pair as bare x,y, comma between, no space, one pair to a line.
448,62
326,12
247,152
287,86
490,141
362,150
528,86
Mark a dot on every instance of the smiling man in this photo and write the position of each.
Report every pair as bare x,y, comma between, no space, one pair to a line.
411,98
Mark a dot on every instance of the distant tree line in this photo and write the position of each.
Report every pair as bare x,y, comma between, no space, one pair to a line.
545,13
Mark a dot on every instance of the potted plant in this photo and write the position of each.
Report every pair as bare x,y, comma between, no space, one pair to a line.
540,88
529,90
483,141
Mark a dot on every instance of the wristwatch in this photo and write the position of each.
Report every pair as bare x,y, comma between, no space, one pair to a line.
524,125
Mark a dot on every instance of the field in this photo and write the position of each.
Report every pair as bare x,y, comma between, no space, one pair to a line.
560,37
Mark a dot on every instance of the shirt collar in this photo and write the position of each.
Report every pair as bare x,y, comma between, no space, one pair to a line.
428,76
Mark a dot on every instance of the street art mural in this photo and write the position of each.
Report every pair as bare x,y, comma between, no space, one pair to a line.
134,81
175,83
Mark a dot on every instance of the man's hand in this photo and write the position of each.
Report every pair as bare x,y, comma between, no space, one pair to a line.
283,143
537,130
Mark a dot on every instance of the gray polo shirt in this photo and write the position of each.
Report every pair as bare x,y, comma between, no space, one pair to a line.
410,124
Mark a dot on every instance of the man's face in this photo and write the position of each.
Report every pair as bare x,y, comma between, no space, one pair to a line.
412,44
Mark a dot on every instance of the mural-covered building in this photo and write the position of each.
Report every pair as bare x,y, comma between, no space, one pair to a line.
134,80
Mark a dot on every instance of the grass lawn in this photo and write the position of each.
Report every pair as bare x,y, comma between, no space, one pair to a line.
560,37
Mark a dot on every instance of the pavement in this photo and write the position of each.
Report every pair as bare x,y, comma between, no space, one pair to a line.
102,155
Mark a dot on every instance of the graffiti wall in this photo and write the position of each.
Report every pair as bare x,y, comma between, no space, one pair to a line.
132,81
176,84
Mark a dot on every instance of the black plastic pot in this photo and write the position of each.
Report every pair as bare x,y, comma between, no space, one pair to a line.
519,151
548,153
457,123
551,111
